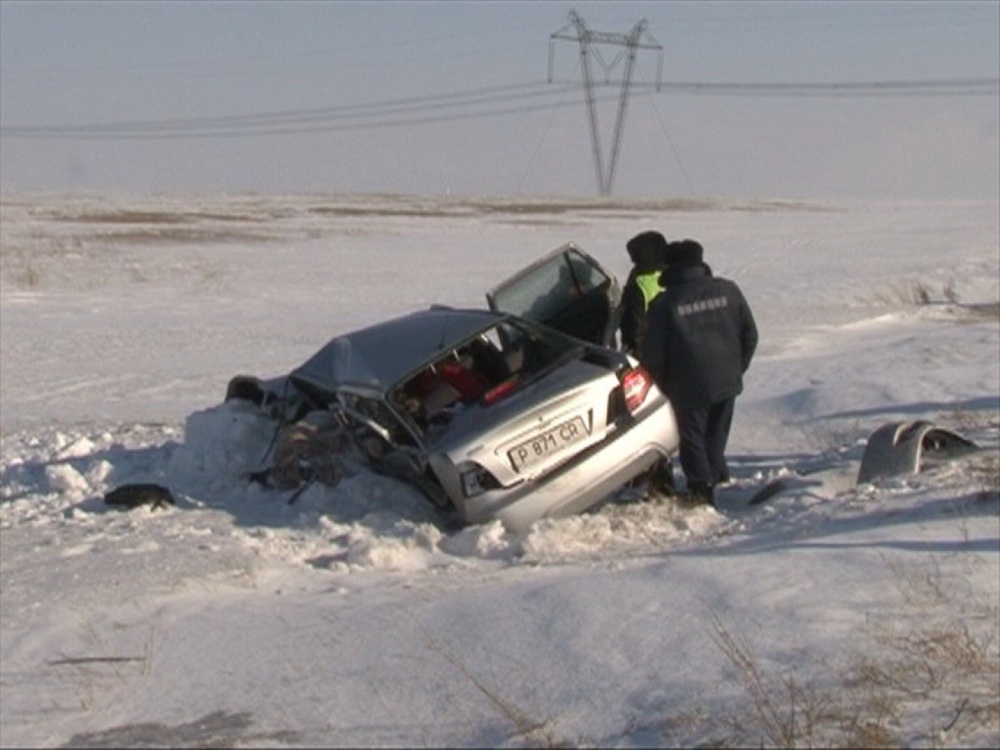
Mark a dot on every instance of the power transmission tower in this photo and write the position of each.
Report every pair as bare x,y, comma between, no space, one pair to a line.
637,38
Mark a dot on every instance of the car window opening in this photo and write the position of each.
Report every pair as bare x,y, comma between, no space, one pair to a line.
478,374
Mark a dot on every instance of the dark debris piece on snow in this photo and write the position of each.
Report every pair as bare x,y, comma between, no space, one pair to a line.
131,496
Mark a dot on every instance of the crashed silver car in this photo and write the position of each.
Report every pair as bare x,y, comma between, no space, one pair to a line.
520,412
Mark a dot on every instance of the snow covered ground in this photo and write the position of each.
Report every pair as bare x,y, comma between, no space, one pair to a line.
834,613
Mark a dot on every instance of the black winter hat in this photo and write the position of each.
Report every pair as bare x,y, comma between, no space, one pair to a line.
684,253
648,249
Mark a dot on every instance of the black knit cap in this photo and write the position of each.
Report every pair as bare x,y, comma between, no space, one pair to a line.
648,248
684,253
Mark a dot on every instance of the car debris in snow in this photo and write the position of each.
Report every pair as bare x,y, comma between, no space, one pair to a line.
132,496
900,447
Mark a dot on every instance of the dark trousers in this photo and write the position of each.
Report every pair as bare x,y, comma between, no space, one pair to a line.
704,432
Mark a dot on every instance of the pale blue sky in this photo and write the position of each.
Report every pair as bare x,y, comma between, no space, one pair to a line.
452,96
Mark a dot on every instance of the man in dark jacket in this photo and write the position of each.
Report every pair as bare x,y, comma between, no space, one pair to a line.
648,252
700,338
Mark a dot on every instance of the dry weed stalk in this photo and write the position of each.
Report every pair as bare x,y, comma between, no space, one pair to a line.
525,726
925,678
785,712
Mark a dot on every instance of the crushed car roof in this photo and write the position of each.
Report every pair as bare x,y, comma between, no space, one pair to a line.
381,355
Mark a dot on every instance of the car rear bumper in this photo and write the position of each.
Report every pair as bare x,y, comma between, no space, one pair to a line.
581,483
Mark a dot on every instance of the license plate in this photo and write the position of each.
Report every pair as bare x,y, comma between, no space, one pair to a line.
541,446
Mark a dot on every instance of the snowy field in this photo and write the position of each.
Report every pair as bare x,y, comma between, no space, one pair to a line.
835,613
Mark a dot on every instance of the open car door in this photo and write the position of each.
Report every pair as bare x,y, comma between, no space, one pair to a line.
567,290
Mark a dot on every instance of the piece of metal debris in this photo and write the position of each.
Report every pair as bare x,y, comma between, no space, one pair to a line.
901,447
131,496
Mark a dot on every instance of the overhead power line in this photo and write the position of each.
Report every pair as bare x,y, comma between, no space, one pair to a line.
485,102
939,87
264,121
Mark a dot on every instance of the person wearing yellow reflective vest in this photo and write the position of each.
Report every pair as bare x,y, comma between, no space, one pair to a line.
648,251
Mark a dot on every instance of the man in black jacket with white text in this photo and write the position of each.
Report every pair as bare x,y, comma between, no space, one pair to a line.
700,338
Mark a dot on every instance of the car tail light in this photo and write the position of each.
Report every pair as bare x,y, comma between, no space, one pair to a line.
635,385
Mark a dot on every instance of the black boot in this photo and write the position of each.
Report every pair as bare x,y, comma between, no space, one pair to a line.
700,493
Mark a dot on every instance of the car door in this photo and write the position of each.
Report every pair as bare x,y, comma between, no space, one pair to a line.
567,290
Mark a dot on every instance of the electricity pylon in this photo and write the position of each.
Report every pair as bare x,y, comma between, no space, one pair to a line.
637,38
